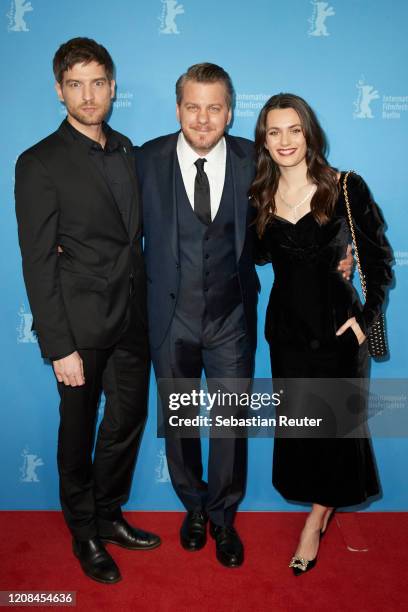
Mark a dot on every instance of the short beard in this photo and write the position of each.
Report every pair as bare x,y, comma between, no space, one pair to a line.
85,120
201,150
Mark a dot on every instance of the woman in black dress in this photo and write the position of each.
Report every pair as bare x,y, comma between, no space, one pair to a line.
315,323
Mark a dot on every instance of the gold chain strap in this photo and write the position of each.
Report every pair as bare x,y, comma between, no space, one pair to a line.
353,235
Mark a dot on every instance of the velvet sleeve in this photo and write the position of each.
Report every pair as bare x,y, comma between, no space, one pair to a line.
261,246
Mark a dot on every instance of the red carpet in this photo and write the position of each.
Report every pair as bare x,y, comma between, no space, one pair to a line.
362,566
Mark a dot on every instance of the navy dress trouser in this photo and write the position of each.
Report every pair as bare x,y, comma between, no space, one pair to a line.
223,350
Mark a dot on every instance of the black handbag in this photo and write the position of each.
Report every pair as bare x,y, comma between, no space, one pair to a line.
377,339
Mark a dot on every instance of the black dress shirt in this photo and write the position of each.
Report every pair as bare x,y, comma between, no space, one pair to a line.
112,166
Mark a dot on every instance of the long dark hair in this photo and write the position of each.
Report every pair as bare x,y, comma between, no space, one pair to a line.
265,184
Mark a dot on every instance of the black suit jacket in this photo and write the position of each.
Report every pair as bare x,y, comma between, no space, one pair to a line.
156,161
79,298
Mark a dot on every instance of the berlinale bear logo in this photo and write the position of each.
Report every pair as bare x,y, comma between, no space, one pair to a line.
366,94
28,470
162,470
18,9
25,334
321,10
171,8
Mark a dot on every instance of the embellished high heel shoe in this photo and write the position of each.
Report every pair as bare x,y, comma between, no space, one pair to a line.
300,565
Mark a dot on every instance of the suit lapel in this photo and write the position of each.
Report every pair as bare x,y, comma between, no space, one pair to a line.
166,183
127,156
241,171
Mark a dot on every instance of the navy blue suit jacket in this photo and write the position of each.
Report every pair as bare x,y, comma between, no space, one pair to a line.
156,162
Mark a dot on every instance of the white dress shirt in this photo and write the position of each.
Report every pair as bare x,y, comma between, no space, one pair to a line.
214,168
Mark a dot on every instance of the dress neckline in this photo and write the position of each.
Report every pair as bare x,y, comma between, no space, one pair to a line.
309,212
290,222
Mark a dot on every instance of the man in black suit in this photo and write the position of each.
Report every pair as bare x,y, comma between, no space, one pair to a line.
202,288
79,226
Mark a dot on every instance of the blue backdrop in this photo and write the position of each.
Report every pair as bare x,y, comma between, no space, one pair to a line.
346,58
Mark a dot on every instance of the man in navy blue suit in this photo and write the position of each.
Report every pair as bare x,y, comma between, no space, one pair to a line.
202,287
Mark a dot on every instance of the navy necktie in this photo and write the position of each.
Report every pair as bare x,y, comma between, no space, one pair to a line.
202,202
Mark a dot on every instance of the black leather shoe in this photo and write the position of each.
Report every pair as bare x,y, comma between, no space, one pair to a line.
95,560
121,533
230,550
193,532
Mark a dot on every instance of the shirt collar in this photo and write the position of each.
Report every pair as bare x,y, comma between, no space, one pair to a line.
187,156
112,143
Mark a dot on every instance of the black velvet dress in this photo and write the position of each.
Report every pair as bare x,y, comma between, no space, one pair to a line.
309,301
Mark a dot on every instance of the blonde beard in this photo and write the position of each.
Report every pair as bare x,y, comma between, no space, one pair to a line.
202,149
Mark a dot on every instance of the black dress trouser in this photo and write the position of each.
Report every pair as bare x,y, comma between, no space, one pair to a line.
99,486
